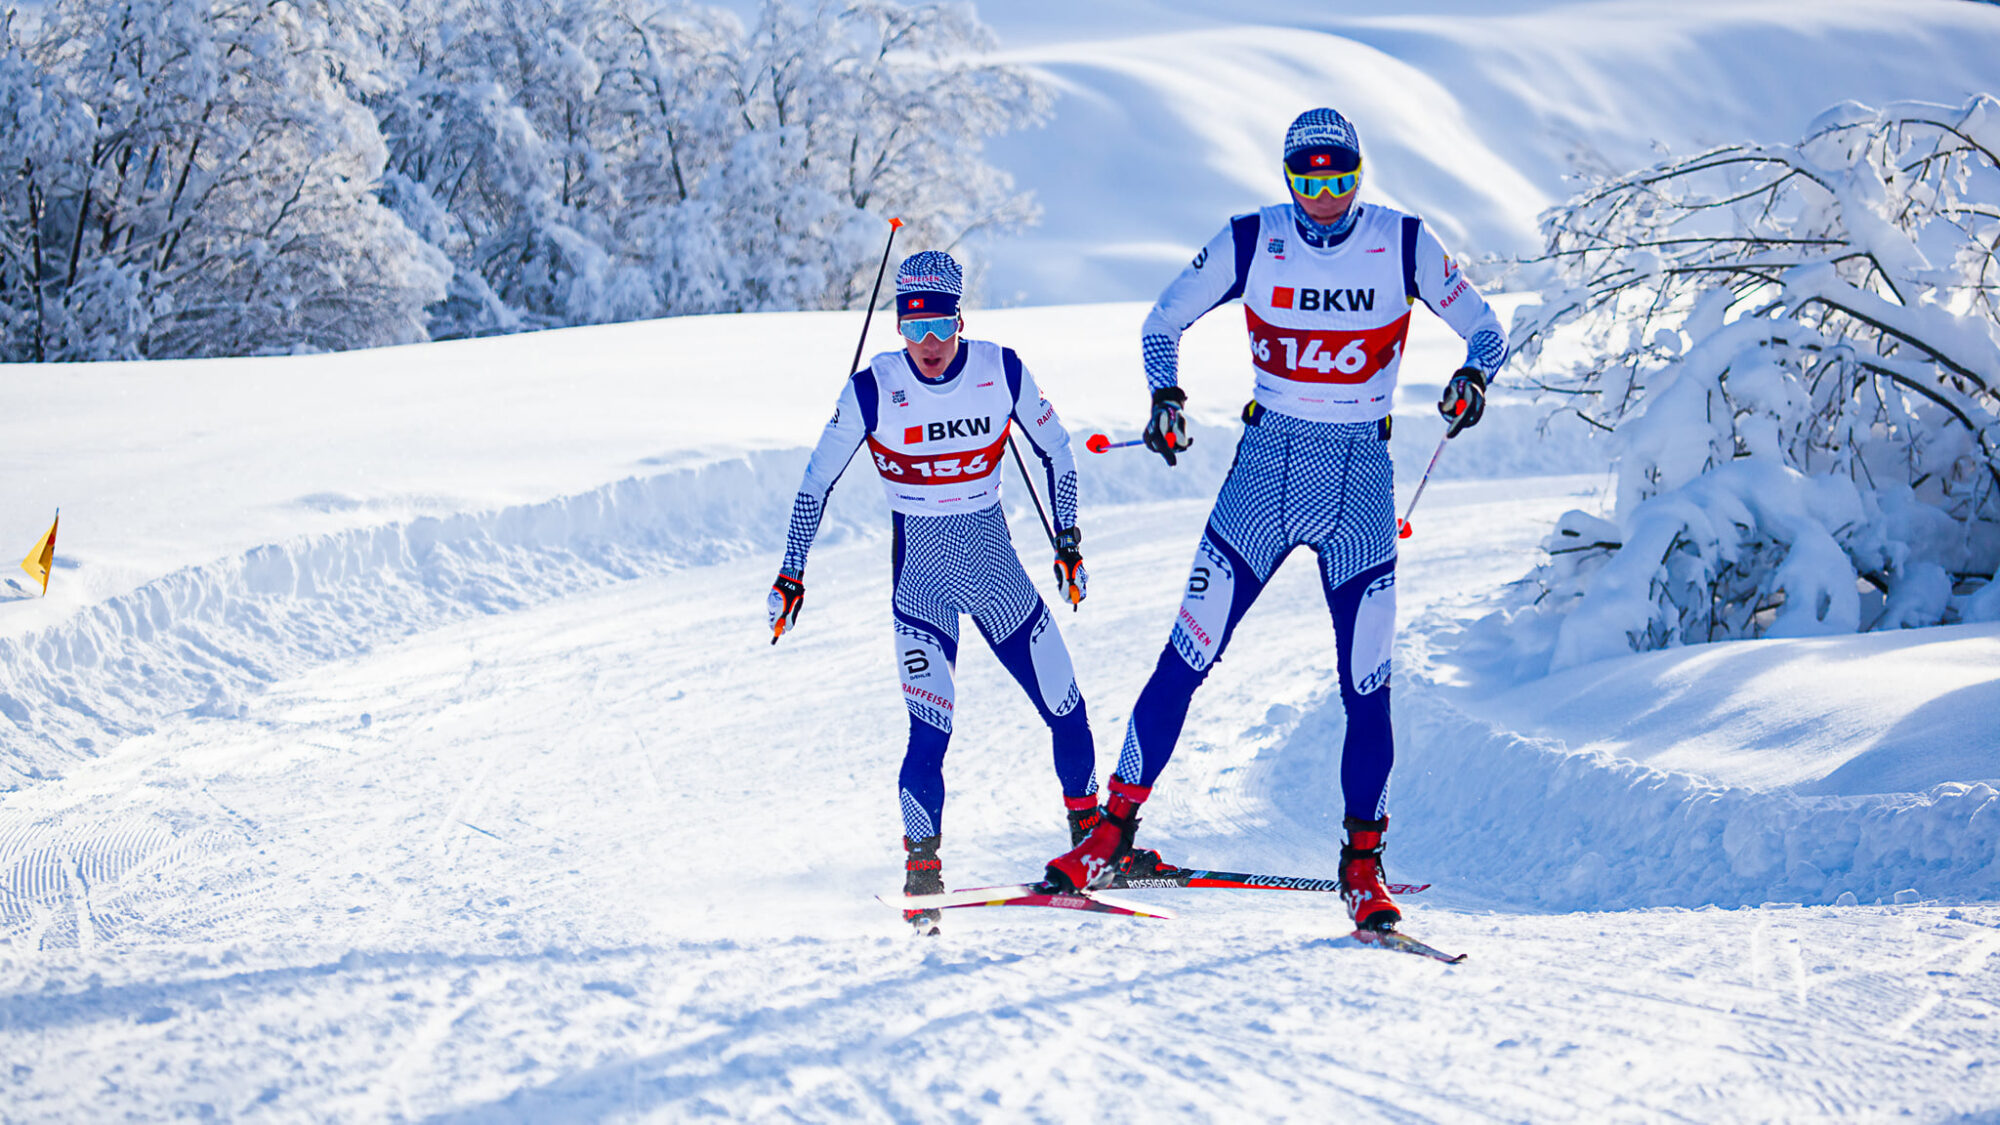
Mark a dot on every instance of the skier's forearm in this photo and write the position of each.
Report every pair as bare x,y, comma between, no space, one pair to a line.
1486,349
844,433
1456,301
807,511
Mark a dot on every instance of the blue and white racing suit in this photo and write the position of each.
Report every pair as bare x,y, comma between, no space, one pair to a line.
938,447
1312,468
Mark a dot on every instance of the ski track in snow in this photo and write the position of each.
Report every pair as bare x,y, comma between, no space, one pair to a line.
612,857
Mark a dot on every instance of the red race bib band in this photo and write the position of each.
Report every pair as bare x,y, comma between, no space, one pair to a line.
1324,355
944,468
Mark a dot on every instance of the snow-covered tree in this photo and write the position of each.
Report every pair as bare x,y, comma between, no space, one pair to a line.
596,160
865,105
1798,351
204,177
192,177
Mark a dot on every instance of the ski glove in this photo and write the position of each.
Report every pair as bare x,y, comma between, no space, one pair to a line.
1166,434
1463,400
787,595
1070,576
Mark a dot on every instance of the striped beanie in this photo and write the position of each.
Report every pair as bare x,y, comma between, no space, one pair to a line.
929,282
1322,141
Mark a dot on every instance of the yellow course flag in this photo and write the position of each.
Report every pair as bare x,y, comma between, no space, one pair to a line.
43,558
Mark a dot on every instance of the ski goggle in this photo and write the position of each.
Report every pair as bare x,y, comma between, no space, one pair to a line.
1335,185
943,327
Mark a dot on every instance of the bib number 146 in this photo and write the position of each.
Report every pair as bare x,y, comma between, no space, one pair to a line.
1314,356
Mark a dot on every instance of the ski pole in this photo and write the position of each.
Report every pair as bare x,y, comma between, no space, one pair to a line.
1098,443
894,226
1048,529
1403,528
778,629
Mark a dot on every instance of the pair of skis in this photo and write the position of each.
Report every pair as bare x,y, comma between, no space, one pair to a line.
1096,902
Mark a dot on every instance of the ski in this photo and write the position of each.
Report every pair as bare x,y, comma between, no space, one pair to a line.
1403,943
1243,881
1021,894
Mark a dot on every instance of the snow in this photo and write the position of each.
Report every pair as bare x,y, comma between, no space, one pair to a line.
1891,712
401,739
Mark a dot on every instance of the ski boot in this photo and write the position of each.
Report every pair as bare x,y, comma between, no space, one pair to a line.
1139,863
923,874
1093,862
1361,886
1145,863
1084,815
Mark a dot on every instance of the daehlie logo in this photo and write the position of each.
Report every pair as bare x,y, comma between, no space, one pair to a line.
956,428
1328,300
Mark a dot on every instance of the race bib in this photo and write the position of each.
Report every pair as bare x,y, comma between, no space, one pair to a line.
1324,355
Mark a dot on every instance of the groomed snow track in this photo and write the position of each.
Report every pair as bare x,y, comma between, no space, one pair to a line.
1526,822
516,816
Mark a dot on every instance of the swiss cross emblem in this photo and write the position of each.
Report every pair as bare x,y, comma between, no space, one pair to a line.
1321,160
916,302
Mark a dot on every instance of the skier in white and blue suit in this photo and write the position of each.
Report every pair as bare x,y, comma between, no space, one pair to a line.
935,417
1319,279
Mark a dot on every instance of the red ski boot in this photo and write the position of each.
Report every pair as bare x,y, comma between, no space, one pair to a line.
1084,815
1361,886
923,874
1093,863
1145,863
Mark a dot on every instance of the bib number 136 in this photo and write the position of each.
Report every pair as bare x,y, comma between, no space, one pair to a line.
937,468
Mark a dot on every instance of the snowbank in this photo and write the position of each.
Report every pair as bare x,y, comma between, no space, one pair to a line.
1531,821
1899,711
196,640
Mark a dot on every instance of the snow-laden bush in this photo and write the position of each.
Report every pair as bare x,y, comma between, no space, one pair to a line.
1798,352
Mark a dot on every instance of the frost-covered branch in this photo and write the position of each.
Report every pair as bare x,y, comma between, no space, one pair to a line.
1797,351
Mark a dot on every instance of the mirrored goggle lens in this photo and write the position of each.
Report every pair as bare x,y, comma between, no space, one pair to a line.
1314,186
942,327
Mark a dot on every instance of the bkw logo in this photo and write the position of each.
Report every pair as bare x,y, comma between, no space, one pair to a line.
956,428
1329,300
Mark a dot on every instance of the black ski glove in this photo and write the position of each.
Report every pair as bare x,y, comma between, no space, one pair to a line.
782,606
1463,400
1070,577
1166,434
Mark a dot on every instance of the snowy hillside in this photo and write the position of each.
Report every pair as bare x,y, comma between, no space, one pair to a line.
1471,113
401,739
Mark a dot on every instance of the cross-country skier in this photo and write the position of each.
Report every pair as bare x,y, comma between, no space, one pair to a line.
1319,278
935,417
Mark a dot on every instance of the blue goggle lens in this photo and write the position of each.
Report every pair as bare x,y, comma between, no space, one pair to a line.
1314,186
943,327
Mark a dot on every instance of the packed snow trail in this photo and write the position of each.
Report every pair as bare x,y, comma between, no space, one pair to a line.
613,857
